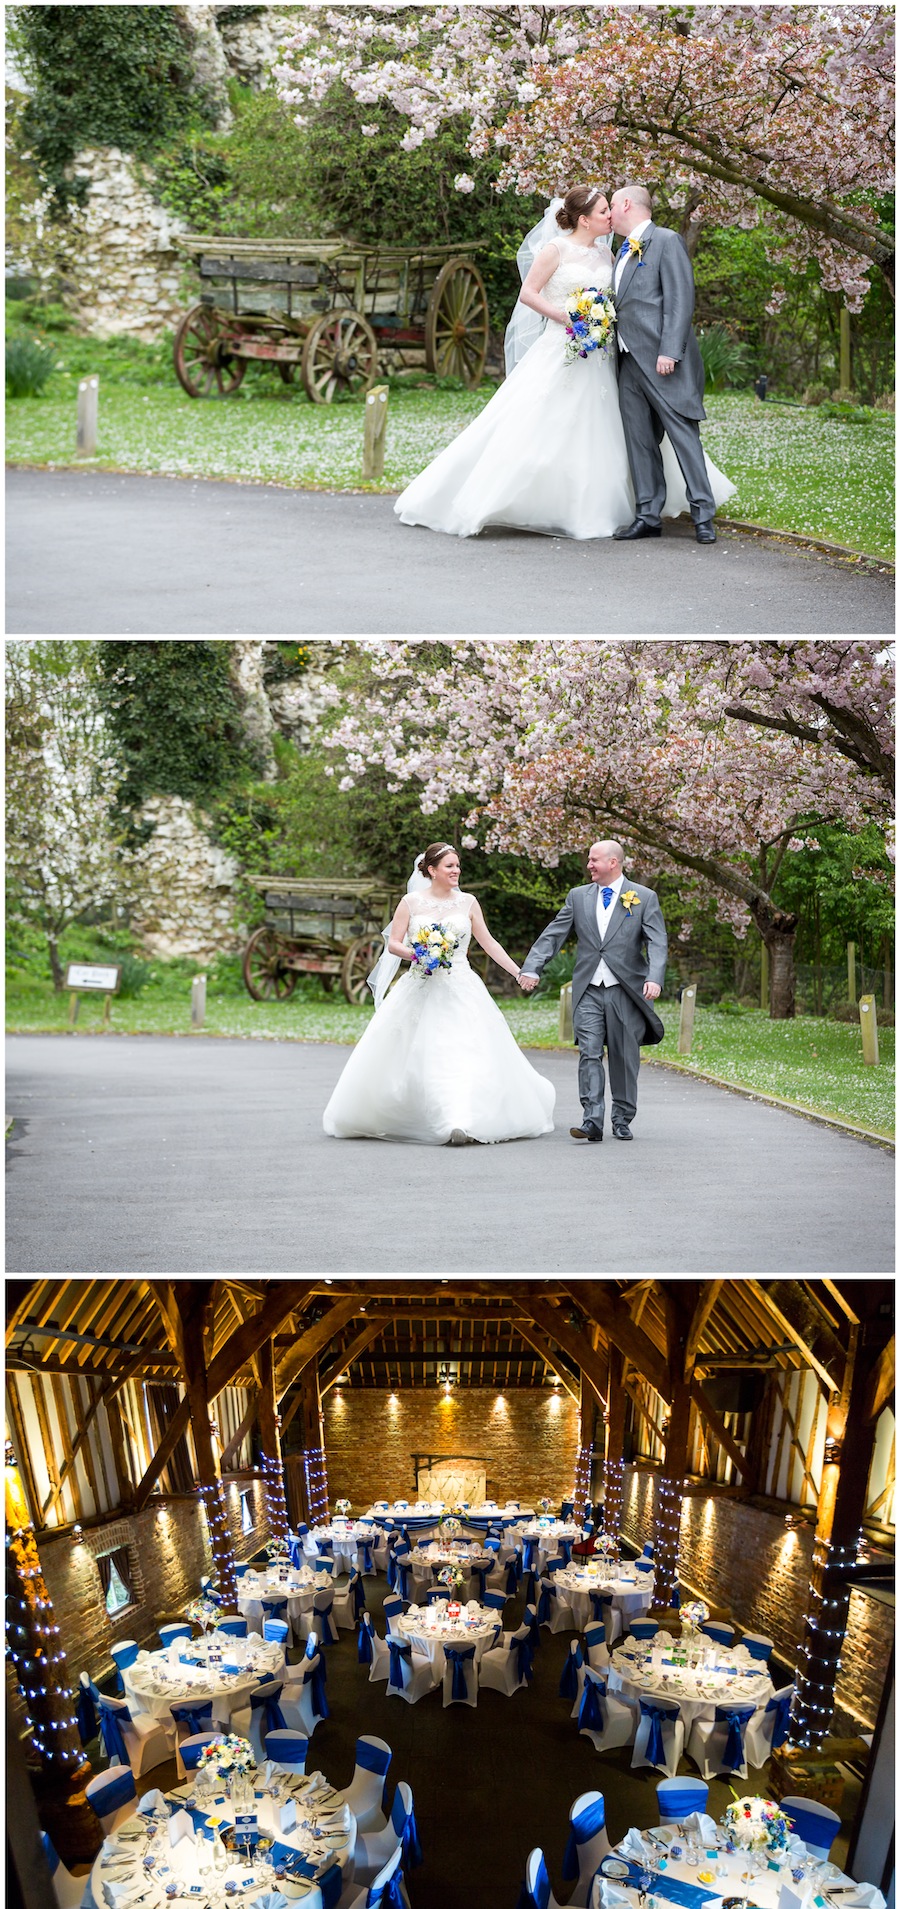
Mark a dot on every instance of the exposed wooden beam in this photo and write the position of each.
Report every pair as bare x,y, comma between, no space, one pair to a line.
314,1339
23,1306
575,1344
828,1379
353,1351
641,1409
285,1297
542,1344
840,1299
604,1306
709,1294
100,1398
237,1438
881,1382
177,1426
719,1430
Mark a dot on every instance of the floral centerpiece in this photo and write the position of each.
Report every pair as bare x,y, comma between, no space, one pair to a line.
449,1527
693,1615
227,1757
434,947
342,1507
546,1504
755,1823
452,1577
278,1550
202,1611
607,1545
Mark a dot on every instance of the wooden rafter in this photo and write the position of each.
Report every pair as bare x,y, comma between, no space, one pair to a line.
542,1344
708,1298
350,1354
314,1339
881,1382
827,1378
719,1429
607,1311
575,1344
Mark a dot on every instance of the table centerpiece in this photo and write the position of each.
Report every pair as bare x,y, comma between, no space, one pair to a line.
754,1822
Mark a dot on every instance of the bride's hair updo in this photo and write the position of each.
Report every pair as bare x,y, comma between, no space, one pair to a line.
578,200
434,854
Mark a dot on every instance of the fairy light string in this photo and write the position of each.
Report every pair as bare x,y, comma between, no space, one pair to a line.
276,1504
315,1474
32,1640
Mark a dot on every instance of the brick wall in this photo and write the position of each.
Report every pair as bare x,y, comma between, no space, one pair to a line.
748,1562
168,1552
527,1440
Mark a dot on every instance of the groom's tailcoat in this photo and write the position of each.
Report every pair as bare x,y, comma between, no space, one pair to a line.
654,308
634,949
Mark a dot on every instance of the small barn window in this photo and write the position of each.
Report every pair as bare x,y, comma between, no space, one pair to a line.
115,1577
246,1512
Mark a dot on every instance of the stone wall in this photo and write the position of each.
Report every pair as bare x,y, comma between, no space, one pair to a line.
168,1554
186,905
748,1562
527,1440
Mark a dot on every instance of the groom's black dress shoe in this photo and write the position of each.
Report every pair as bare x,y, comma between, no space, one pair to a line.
621,1131
705,533
589,1131
629,533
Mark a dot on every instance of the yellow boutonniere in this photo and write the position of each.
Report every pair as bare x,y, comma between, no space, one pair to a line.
635,249
629,900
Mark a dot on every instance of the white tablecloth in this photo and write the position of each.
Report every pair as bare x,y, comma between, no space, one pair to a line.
299,1588
732,1876
429,1635
697,1692
630,1596
188,1861
345,1540
157,1680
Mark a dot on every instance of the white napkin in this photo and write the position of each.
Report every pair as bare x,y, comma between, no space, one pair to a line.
117,1894
150,1802
606,1895
632,1846
704,1826
865,1895
272,1899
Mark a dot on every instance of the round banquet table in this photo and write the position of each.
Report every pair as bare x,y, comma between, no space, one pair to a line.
298,1587
345,1538
731,1876
736,1679
428,1629
630,1595
156,1679
189,1864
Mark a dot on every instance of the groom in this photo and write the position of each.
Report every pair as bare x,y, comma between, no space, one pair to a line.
660,367
620,968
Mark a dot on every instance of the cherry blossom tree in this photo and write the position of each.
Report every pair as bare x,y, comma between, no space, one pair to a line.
557,742
737,112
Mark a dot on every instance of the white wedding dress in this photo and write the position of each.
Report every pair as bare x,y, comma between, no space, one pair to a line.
438,1055
547,453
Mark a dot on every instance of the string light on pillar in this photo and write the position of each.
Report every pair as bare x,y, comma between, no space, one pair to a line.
614,1483
276,1506
212,1499
582,1487
824,1633
667,1536
33,1645
316,1478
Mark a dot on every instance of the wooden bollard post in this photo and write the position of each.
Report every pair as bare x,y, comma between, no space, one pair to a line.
851,973
868,1021
198,1000
566,1028
73,1010
686,1020
86,434
375,432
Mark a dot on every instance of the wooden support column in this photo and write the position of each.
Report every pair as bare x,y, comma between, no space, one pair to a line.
270,1438
586,1442
39,1662
687,1306
314,1473
849,1439
614,1461
193,1300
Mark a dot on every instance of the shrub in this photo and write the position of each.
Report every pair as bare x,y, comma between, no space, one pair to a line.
844,395
725,359
885,402
815,394
28,366
134,976
859,414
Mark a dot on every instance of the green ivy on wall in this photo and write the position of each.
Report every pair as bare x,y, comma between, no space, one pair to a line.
174,720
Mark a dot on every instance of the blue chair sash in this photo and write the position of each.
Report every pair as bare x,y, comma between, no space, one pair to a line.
547,1601
268,1702
648,1550
480,1572
294,1752
370,1757
359,1597
322,1621
401,1653
406,1828
274,1606
314,1676
364,1648
568,1683
530,1554
459,1656
782,1706
404,1573
566,1508
761,1652
115,1795
583,1828
388,1895
392,1571
643,1564
86,1715
51,1854
655,1752
513,1571
599,1604
111,1722
737,1721
366,1548
297,1553
675,1599
675,1804
539,1896
531,1621
194,1714
565,1545
524,1649
590,1715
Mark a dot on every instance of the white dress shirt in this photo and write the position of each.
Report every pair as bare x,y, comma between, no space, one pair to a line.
603,976
621,261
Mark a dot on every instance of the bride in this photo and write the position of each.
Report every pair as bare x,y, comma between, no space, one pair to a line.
547,453
438,1064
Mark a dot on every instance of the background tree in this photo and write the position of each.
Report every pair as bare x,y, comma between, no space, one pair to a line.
173,720
65,861
741,111
558,742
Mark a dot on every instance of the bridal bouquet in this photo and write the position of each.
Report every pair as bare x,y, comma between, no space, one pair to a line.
434,947
592,322
755,1823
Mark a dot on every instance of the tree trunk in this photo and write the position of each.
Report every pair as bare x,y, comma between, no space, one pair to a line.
779,932
56,968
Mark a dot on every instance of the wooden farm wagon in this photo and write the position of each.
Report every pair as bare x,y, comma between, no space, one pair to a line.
332,929
328,313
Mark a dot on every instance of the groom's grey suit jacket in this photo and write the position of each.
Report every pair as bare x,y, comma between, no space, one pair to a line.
654,308
634,949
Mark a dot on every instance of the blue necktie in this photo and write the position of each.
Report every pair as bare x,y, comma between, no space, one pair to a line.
607,896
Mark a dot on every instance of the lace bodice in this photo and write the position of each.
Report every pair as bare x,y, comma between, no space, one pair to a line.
579,265
454,913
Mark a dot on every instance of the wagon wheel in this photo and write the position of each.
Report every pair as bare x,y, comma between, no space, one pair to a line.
456,323
265,976
328,981
201,360
340,357
289,370
359,961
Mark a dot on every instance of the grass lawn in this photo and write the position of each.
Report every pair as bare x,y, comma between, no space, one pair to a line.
794,470
813,1063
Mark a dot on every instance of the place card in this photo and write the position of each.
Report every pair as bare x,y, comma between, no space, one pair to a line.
791,1898
181,1825
287,1814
